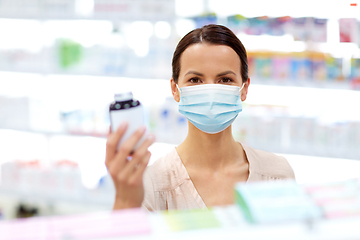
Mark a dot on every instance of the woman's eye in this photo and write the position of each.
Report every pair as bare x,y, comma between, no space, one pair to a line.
194,80
226,80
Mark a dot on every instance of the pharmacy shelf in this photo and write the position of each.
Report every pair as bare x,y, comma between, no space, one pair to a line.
219,223
304,83
85,196
48,206
231,229
152,10
51,133
345,84
285,113
110,17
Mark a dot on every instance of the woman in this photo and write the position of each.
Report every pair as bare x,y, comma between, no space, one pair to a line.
209,80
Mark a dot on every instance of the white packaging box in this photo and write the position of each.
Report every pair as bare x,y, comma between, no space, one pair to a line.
10,178
24,113
69,180
14,113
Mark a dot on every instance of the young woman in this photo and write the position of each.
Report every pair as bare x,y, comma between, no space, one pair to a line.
210,81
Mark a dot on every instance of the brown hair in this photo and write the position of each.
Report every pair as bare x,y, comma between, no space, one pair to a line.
213,34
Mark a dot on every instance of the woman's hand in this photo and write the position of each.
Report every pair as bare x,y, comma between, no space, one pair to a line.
127,174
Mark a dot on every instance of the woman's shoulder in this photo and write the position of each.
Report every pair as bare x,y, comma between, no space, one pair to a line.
268,164
167,172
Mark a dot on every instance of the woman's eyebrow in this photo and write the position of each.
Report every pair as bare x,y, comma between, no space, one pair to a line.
194,72
225,73
220,74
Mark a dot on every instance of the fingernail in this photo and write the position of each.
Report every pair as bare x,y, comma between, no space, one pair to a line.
123,125
151,138
142,129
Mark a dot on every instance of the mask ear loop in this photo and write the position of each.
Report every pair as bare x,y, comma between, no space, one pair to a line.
177,86
242,87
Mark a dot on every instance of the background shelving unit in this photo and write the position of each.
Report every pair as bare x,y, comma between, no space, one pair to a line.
43,96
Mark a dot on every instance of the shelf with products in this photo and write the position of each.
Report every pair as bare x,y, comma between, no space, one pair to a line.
57,174
78,177
65,169
70,169
312,69
99,48
143,49
297,212
287,115
292,47
94,9
285,65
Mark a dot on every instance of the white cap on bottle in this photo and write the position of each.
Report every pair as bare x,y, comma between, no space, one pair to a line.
125,96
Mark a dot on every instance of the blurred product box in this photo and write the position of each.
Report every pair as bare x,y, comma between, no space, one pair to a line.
68,177
319,30
298,67
94,122
349,30
15,113
26,113
281,66
126,224
284,133
334,68
336,199
60,181
318,66
270,202
258,25
128,9
355,68
167,123
299,29
262,65
205,20
284,201
36,9
237,23
279,208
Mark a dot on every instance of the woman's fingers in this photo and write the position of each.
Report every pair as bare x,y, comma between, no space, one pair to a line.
127,175
143,148
136,178
137,158
120,162
113,141
127,147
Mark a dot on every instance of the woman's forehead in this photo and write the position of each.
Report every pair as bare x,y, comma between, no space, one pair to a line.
209,57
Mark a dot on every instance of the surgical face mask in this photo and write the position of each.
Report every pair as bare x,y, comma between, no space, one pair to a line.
210,107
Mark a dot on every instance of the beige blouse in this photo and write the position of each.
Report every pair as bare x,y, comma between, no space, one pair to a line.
168,185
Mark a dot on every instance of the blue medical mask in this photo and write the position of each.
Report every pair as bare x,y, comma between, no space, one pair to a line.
210,107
